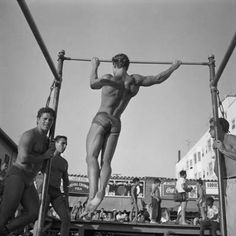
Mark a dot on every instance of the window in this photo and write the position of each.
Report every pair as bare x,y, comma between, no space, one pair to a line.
195,176
203,174
195,158
233,124
7,159
202,152
199,175
191,164
209,144
187,165
199,156
211,168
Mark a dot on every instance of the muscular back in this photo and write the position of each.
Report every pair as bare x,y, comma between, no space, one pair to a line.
115,99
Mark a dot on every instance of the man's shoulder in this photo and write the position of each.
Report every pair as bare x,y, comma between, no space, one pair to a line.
30,134
230,137
107,76
61,160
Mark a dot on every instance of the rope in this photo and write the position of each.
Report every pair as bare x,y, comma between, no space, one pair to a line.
220,104
50,93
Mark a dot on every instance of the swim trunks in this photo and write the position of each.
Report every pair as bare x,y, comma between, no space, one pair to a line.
27,178
110,123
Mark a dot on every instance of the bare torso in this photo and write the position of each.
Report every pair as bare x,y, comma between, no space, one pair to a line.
37,145
230,164
114,100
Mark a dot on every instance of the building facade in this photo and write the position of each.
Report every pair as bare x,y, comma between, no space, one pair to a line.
200,160
8,149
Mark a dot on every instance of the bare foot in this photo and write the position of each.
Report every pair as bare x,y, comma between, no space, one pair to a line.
95,202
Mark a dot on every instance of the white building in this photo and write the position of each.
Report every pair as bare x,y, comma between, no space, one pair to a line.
200,159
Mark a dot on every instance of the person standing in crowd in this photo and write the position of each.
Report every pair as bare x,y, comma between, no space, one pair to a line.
201,198
156,201
59,171
226,144
183,189
77,211
19,187
212,218
134,200
117,90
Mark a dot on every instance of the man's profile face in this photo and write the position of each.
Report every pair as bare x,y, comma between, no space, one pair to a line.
212,130
45,121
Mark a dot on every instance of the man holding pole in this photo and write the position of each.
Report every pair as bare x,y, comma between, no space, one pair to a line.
226,144
19,187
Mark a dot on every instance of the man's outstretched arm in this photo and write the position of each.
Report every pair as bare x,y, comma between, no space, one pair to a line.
156,79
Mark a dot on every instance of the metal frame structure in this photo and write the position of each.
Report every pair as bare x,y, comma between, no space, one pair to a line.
140,62
57,73
214,79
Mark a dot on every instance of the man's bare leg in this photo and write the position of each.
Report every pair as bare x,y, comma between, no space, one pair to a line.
94,145
183,207
105,173
11,199
12,195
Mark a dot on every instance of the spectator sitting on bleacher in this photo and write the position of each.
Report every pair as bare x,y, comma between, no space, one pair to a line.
119,216
76,211
96,215
212,218
103,214
165,215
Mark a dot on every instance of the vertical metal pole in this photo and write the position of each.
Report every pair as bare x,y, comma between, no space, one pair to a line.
37,36
225,60
46,177
219,158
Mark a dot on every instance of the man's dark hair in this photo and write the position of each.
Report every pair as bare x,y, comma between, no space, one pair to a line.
121,60
58,137
46,110
135,180
200,181
211,199
157,180
223,123
182,173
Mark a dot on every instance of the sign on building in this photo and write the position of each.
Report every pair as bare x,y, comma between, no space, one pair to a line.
122,188
115,188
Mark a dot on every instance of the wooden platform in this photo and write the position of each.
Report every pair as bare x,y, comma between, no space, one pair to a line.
101,228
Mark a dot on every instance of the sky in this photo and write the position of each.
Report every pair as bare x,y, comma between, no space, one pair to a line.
161,119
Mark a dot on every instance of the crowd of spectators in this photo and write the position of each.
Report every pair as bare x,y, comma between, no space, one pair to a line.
116,215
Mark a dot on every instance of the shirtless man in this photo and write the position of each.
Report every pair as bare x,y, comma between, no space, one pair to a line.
226,144
59,171
33,149
117,90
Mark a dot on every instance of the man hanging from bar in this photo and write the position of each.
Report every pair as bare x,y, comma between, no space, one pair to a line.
226,144
117,91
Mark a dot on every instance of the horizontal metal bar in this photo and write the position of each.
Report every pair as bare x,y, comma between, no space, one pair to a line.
38,37
225,60
141,62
